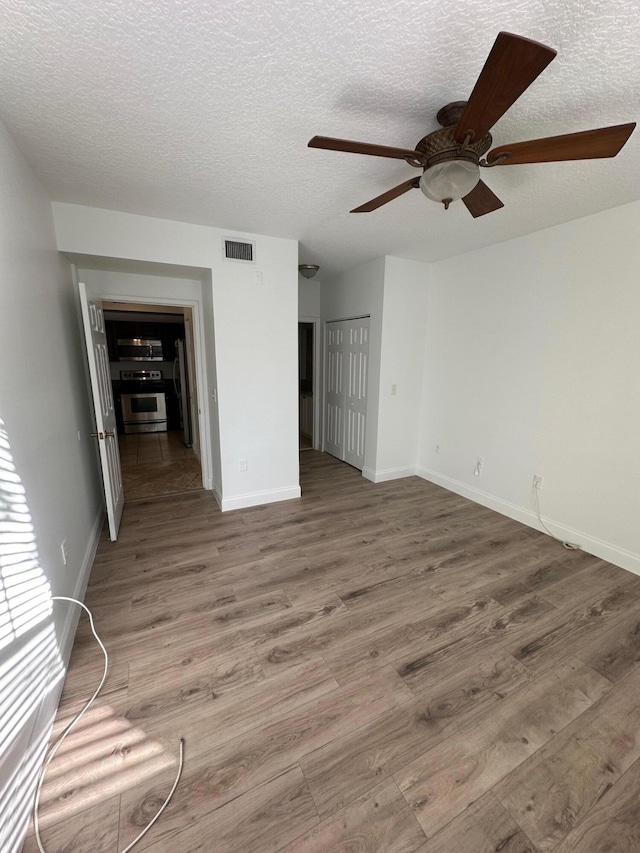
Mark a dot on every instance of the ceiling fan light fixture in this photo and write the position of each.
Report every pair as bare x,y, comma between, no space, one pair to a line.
308,270
450,180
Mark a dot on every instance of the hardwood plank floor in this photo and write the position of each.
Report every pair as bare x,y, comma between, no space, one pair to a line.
375,667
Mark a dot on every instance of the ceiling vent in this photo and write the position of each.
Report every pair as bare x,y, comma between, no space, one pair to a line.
239,250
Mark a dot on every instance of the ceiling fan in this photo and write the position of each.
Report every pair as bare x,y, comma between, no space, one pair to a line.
451,157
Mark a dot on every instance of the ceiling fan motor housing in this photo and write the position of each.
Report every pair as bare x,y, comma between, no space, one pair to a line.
451,168
441,145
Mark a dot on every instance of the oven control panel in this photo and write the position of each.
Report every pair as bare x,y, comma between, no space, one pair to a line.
140,375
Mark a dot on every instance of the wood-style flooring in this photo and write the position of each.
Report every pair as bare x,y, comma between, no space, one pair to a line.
375,667
305,442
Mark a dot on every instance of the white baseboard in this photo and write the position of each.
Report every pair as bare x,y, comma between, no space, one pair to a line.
599,548
259,498
216,494
71,622
387,474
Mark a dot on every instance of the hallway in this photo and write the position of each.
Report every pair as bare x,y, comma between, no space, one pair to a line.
382,667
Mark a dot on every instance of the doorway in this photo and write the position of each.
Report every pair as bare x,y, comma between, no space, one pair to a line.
306,382
152,371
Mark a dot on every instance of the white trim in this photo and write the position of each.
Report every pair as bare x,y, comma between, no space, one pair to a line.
259,498
217,495
387,474
70,625
201,368
604,550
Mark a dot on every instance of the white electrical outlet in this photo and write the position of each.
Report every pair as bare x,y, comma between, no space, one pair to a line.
479,465
537,481
242,465
394,390
437,448
63,551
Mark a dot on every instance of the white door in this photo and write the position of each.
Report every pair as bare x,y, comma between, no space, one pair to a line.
357,363
346,389
106,433
334,394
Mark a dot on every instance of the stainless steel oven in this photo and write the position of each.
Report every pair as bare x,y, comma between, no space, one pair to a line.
144,405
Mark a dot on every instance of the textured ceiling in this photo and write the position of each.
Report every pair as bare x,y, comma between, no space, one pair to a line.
201,111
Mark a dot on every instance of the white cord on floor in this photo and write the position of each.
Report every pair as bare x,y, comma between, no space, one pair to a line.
73,722
570,546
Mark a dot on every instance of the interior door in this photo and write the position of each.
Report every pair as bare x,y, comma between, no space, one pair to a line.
357,363
106,432
334,391
346,389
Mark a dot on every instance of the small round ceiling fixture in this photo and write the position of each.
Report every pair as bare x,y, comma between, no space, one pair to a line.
308,270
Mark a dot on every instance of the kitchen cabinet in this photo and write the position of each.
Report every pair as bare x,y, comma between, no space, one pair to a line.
168,335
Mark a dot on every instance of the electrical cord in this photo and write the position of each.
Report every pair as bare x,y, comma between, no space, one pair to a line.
570,546
71,725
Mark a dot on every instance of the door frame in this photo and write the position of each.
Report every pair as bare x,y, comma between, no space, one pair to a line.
318,388
201,374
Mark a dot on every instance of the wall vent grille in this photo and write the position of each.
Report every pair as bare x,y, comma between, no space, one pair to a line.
239,250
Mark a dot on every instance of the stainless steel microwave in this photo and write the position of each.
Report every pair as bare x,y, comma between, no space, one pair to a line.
139,349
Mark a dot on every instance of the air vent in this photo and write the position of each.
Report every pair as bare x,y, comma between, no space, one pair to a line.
239,250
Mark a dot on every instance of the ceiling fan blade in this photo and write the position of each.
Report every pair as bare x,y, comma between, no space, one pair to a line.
511,67
331,144
375,203
586,145
481,200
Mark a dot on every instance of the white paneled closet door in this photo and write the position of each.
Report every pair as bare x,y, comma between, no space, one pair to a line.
334,396
346,389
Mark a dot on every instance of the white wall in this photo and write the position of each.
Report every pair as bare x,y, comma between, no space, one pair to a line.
256,338
401,364
211,392
44,404
309,298
257,355
355,293
532,361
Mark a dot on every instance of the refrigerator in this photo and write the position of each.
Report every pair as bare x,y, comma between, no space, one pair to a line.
181,385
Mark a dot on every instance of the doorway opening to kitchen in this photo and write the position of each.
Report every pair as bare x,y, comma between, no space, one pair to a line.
308,383
152,369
